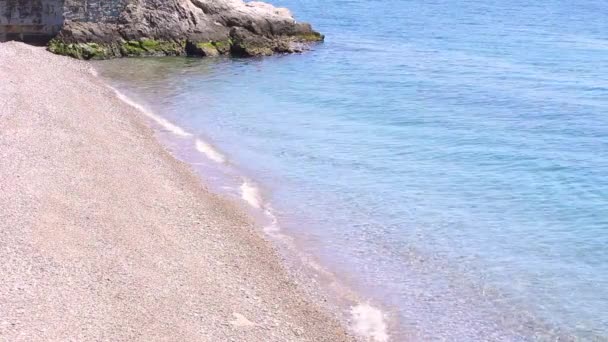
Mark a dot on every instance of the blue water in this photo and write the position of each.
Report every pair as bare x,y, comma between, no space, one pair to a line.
448,160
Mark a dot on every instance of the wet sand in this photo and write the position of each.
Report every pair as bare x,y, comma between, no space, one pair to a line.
105,236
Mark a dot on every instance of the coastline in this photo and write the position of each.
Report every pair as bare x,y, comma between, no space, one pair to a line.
223,176
105,235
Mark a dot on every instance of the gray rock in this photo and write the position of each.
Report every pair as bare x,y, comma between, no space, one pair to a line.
179,27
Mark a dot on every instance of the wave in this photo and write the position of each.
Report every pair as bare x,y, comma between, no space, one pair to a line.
251,194
366,321
166,124
209,151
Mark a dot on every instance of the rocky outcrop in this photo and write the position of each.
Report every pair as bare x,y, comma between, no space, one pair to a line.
184,27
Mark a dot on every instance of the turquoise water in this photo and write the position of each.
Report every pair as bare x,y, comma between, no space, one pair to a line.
448,160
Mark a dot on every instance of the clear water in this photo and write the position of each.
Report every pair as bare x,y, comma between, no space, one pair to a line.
449,160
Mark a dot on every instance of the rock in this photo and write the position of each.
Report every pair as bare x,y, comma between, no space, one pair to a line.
246,43
205,28
241,321
202,49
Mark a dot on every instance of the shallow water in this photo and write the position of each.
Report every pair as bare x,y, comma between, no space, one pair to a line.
447,160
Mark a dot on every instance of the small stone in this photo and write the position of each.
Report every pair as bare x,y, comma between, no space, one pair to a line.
241,321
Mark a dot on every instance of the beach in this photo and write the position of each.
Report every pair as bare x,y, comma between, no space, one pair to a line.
106,236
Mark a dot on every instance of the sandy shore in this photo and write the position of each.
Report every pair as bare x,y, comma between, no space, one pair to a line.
105,236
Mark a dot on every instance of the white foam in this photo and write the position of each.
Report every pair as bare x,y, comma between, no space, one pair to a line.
369,323
273,226
251,194
166,124
209,151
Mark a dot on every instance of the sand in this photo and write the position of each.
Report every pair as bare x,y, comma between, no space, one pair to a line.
105,236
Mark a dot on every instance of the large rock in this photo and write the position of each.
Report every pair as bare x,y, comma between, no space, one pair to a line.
179,27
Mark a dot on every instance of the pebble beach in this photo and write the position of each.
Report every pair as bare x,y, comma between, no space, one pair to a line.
106,236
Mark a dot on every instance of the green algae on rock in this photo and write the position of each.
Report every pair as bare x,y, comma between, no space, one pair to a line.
209,49
152,47
79,50
131,48
310,37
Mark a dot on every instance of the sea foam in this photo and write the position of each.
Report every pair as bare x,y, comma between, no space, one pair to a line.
209,151
251,194
166,124
368,322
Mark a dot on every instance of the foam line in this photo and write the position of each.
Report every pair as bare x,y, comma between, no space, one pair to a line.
251,194
273,227
166,124
209,151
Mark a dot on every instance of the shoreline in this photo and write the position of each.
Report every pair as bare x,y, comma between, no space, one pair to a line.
107,236
247,196
222,176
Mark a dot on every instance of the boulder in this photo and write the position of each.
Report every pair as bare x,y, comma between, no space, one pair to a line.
205,28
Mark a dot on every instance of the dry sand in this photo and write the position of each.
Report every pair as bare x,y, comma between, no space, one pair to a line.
105,236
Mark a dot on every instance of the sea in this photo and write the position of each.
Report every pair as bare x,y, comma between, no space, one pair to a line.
447,161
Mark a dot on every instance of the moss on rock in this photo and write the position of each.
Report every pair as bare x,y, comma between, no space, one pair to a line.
310,37
208,49
223,47
130,48
152,47
242,43
80,50
208,45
